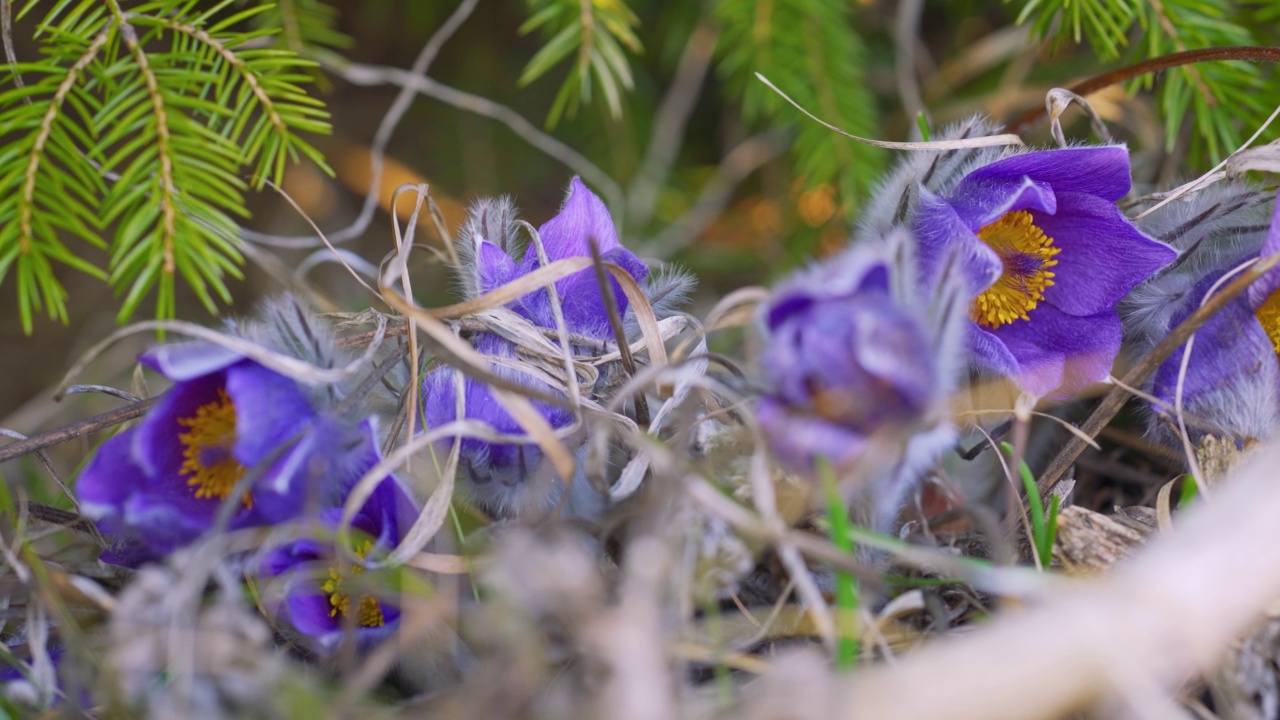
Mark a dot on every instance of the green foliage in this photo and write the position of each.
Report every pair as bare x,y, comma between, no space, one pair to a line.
307,27
1104,22
1044,525
847,645
1188,491
811,50
595,32
1226,101
140,121
1217,95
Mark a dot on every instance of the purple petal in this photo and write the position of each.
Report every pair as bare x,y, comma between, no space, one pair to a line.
309,611
582,216
286,557
156,447
1059,354
169,516
128,551
1103,255
580,299
1263,287
439,408
1232,375
493,267
944,237
107,481
980,202
270,410
798,440
191,360
868,358
989,352
860,268
1099,171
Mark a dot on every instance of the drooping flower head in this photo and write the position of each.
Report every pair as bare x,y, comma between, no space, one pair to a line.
1047,256
1231,386
159,485
326,594
512,478
857,348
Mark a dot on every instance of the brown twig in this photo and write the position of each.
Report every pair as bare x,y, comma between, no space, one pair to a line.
76,429
1260,53
58,516
1118,395
619,334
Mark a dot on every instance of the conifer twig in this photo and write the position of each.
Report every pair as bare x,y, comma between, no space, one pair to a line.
1154,65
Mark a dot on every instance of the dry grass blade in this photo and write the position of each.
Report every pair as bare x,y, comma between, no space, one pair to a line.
513,398
299,370
514,290
977,142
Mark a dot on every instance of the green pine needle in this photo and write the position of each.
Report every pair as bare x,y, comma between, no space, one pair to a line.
812,50
140,123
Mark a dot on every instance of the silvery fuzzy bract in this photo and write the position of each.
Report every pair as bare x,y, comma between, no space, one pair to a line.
1231,385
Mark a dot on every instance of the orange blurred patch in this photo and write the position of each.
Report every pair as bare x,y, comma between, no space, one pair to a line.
817,206
351,164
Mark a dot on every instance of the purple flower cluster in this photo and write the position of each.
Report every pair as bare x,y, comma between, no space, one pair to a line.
1030,254
513,478
325,594
232,436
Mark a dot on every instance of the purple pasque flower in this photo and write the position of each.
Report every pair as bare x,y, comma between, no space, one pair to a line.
158,486
503,478
857,349
325,594
1047,256
1231,386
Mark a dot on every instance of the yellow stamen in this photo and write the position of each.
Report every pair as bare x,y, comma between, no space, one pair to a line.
213,431
1269,316
368,611
1027,254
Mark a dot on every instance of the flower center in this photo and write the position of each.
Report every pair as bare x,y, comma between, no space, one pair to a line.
368,611
1027,254
206,450
1269,316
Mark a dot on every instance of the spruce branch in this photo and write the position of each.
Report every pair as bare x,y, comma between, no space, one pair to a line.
46,128
165,153
307,27
141,119
595,32
1221,100
810,46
